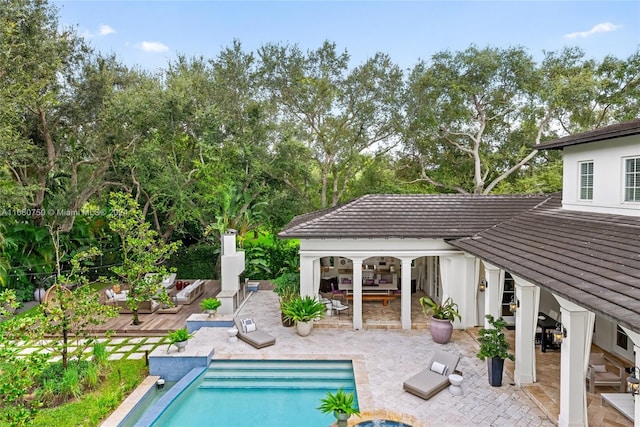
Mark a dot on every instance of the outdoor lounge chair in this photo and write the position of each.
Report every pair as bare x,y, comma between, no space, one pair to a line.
256,337
599,374
427,383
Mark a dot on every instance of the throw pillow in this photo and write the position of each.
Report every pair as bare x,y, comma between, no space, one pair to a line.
439,368
248,325
599,368
110,294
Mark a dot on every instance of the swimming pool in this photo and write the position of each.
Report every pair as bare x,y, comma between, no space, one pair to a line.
249,393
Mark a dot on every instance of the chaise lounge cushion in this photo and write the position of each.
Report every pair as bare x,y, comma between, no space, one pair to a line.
257,338
427,383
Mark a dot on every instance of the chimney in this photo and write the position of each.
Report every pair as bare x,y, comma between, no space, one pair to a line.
229,242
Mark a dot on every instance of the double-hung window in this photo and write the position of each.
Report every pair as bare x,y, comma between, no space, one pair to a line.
586,180
632,179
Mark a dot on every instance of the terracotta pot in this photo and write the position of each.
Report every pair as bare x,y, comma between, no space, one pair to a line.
287,323
441,330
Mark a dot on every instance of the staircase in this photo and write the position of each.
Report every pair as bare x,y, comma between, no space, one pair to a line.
279,374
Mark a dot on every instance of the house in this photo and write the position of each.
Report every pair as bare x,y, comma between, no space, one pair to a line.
577,254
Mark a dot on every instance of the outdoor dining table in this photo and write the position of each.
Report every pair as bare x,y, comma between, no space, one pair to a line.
382,288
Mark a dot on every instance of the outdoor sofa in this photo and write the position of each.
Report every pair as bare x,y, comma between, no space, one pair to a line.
435,377
120,301
254,337
190,293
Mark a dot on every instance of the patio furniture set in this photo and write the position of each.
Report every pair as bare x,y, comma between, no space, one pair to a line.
189,292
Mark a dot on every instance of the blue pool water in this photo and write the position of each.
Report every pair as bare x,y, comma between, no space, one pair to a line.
266,393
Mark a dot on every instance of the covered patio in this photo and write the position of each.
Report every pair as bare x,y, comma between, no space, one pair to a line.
585,262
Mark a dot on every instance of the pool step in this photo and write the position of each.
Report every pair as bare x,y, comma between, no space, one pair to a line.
281,364
289,384
279,374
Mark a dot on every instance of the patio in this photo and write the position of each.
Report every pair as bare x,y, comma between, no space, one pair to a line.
382,340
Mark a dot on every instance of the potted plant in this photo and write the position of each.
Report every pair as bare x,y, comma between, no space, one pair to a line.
178,337
287,288
340,404
303,311
210,305
442,316
495,348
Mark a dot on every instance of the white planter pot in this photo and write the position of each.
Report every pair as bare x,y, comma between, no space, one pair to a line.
38,294
342,419
304,328
181,346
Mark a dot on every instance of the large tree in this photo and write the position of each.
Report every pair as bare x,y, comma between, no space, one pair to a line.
476,116
57,142
340,113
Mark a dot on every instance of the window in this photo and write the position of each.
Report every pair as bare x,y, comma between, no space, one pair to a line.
632,179
586,180
622,340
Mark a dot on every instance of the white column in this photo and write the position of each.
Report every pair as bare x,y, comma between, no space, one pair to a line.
453,277
635,337
405,301
636,399
306,275
317,275
494,290
578,323
469,288
528,297
357,293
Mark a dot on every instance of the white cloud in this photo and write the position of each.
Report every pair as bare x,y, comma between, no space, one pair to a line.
105,30
605,27
154,47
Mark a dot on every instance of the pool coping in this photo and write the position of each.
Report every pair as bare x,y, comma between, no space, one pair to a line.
128,405
154,412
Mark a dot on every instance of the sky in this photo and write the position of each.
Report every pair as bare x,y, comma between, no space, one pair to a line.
150,34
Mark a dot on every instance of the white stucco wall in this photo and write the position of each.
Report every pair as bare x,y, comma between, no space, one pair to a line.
604,336
608,176
338,247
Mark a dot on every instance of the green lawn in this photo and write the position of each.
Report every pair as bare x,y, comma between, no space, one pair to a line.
122,378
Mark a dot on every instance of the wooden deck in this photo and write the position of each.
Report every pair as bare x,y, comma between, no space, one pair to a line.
158,323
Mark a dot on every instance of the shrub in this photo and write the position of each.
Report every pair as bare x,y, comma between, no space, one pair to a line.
196,261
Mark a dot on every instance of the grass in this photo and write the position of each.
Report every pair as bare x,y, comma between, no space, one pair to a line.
93,407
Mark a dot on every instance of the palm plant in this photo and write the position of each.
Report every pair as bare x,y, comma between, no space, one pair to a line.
340,404
303,309
447,310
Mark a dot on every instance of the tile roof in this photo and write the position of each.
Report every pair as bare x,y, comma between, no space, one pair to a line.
618,130
444,216
588,258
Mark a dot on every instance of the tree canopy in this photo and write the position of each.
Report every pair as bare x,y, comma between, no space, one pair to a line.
248,139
